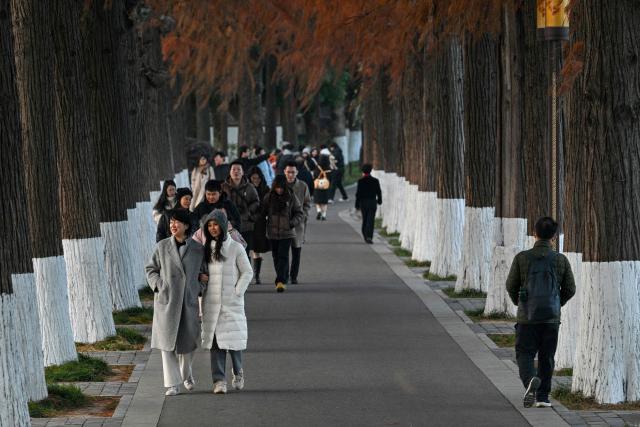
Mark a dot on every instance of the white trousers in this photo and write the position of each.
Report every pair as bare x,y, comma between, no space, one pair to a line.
176,367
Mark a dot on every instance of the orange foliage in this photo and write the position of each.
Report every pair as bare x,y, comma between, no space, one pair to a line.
215,40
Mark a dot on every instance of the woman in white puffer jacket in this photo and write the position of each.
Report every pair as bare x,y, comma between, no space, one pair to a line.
224,324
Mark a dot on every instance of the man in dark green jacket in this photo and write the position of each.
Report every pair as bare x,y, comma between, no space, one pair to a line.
539,282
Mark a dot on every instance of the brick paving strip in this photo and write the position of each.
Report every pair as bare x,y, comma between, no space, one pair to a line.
506,355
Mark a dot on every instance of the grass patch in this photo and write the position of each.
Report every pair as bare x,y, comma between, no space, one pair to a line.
466,293
124,340
503,340
578,402
383,232
435,278
146,294
401,252
414,263
352,173
564,372
61,398
134,316
84,369
394,242
478,315
377,223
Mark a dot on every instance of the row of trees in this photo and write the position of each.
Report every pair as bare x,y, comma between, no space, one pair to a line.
472,172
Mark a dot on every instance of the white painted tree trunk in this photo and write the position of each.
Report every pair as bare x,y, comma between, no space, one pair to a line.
182,179
510,236
147,231
417,252
135,245
355,144
388,207
53,307
448,255
29,336
13,396
89,297
607,365
570,318
475,271
430,229
410,217
117,254
380,176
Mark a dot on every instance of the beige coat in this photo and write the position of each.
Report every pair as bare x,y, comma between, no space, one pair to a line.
198,181
223,301
174,281
301,191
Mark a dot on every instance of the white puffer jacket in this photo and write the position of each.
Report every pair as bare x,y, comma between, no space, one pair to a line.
223,301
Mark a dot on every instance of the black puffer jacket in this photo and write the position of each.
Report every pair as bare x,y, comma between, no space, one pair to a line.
205,208
283,214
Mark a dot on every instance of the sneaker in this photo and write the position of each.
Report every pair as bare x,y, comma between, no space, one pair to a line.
543,403
258,282
171,391
220,387
188,384
238,381
324,218
343,199
280,287
319,215
330,201
530,394
294,281
368,241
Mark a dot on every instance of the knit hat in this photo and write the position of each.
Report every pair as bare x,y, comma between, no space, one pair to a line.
220,218
181,215
325,152
213,185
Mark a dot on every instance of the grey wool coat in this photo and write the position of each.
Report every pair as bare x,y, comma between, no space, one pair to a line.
174,280
301,191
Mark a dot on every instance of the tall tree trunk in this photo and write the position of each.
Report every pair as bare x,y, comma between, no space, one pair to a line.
511,223
34,65
202,120
480,135
102,31
449,159
288,114
177,129
89,299
15,261
603,144
220,128
191,112
270,103
250,123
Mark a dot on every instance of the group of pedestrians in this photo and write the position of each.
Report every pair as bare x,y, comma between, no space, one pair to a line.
207,235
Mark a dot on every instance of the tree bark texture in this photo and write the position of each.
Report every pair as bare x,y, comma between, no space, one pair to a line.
480,119
603,143
220,132
270,104
429,105
510,184
15,256
203,121
191,111
288,114
250,124
413,121
449,115
177,128
34,68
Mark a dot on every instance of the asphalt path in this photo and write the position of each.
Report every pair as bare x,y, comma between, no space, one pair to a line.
351,345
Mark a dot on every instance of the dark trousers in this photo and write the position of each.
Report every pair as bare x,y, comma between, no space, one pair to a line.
540,338
219,361
280,252
336,182
248,237
295,262
368,209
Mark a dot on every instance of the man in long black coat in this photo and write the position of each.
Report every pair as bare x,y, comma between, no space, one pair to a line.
368,197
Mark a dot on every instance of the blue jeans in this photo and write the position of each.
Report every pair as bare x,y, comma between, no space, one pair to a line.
219,361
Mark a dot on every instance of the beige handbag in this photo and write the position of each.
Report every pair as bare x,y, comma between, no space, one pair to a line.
321,182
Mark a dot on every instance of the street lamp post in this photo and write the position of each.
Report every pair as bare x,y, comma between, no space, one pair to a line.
553,28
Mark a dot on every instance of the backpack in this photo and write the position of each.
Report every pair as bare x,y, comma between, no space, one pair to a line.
540,300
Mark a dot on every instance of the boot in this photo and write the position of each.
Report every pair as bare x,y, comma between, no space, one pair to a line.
257,264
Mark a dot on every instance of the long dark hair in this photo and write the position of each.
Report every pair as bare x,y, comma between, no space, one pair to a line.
216,254
277,202
163,199
263,188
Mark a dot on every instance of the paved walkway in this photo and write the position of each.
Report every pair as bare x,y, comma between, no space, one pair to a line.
350,345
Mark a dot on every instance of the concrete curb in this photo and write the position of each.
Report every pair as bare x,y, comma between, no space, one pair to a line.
147,403
502,377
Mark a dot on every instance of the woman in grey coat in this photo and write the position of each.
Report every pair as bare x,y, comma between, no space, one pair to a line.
172,274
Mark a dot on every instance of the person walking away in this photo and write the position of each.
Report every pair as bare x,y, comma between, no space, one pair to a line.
321,195
368,197
301,192
245,198
166,201
244,156
261,244
172,274
304,173
336,179
220,166
283,212
539,283
183,202
224,324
